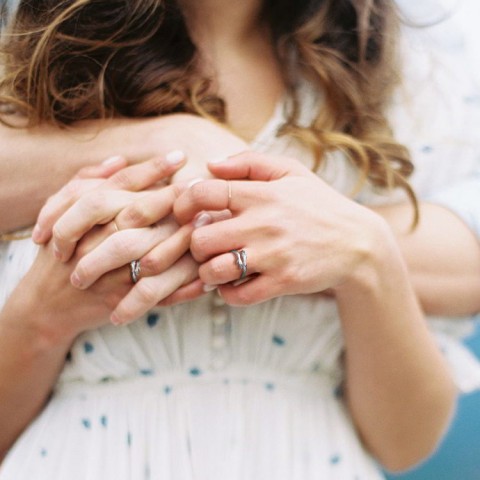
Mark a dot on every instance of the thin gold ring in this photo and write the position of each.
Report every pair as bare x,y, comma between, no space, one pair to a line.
229,185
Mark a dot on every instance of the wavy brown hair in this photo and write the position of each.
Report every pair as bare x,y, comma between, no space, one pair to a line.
70,60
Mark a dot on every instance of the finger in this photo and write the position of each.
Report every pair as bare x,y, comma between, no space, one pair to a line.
117,250
103,170
148,209
143,175
184,294
96,208
165,254
151,290
218,238
256,290
224,268
57,204
216,195
256,166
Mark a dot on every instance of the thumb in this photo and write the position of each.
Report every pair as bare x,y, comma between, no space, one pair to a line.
256,166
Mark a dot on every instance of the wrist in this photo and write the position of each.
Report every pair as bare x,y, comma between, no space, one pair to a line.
380,262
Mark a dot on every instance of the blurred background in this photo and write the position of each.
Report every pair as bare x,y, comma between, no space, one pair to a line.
459,455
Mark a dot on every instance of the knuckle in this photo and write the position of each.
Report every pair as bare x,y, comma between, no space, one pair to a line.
122,245
135,216
94,201
146,293
199,244
122,180
58,232
152,264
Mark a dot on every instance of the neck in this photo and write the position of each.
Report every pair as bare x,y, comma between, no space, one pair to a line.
222,24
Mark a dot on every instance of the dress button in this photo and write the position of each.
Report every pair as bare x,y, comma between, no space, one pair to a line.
219,341
217,300
219,317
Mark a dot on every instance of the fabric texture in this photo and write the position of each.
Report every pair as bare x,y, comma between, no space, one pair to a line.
205,391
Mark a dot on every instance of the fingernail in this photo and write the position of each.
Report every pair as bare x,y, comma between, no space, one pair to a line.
75,280
112,160
193,182
37,233
175,157
218,160
209,288
202,219
57,252
115,320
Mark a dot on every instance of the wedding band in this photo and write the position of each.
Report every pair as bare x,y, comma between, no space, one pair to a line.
241,261
135,270
229,194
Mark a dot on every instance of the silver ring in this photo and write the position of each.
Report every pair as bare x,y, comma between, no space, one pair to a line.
241,261
135,270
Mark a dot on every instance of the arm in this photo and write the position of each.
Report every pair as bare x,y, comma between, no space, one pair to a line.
302,237
45,313
442,255
35,163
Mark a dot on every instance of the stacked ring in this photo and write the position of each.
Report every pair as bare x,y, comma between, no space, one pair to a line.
241,261
135,270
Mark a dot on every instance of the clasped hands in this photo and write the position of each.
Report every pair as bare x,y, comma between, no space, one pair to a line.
300,236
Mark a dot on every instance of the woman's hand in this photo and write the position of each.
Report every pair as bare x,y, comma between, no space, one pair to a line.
300,236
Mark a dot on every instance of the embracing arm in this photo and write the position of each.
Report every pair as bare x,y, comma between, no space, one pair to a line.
36,162
442,255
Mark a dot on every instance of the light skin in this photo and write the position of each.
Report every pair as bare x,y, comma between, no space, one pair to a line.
370,298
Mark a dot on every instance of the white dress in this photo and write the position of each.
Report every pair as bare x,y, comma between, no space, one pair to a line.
204,391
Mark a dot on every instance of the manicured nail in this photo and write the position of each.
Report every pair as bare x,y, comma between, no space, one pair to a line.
175,157
218,160
209,288
37,234
202,219
193,182
57,252
113,160
75,280
115,320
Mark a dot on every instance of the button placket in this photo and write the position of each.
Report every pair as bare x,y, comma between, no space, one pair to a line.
220,327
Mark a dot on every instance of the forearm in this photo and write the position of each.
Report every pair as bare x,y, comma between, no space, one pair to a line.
29,366
398,387
34,163
443,258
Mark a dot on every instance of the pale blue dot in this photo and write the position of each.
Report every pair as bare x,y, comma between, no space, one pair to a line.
147,472
88,347
106,379
338,391
472,99
129,439
10,257
153,319
335,459
146,372
226,381
270,386
427,149
167,389
86,423
278,340
195,372
43,452
104,420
